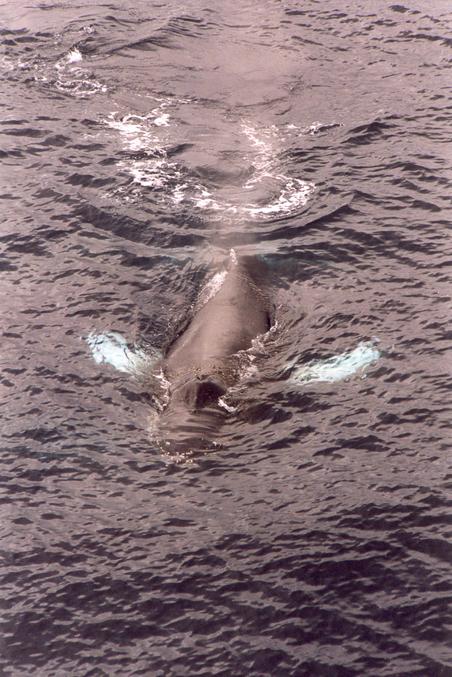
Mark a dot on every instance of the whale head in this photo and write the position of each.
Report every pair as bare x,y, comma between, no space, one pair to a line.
192,416
199,393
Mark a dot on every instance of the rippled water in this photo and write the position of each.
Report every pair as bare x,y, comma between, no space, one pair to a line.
139,142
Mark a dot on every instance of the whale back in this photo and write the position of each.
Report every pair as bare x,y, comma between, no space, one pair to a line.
225,325
205,361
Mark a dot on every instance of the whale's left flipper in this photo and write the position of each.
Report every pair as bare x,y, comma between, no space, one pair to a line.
112,348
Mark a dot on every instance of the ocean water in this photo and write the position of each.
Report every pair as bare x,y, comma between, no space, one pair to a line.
140,142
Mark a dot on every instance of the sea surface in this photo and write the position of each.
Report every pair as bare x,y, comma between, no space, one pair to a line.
140,142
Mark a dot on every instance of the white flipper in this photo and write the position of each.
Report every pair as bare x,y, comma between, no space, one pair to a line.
111,348
338,367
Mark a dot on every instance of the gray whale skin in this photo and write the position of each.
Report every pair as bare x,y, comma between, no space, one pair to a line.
203,363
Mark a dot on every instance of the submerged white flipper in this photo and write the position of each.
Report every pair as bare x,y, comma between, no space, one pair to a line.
338,367
111,348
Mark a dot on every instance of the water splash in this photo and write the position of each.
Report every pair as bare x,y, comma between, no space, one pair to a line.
338,367
74,56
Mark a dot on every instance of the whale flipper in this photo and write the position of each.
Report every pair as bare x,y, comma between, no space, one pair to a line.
338,367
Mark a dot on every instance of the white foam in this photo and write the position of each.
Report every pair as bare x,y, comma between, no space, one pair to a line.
259,343
262,139
233,256
179,193
144,134
294,195
111,348
313,128
316,127
152,172
75,80
138,131
74,56
162,120
80,86
229,408
128,126
164,397
6,63
338,367
202,199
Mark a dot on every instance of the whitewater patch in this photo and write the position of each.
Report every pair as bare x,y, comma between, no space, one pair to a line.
145,135
149,136
294,194
314,128
138,131
74,79
154,172
6,64
263,140
291,193
68,74
74,56
338,367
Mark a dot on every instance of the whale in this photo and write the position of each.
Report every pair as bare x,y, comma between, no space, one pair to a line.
206,358
191,381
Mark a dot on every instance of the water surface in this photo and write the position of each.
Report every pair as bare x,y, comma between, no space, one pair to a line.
139,142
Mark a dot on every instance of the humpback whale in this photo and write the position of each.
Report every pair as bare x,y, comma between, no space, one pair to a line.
206,358
209,356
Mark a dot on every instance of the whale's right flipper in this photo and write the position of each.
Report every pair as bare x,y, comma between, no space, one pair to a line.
338,367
